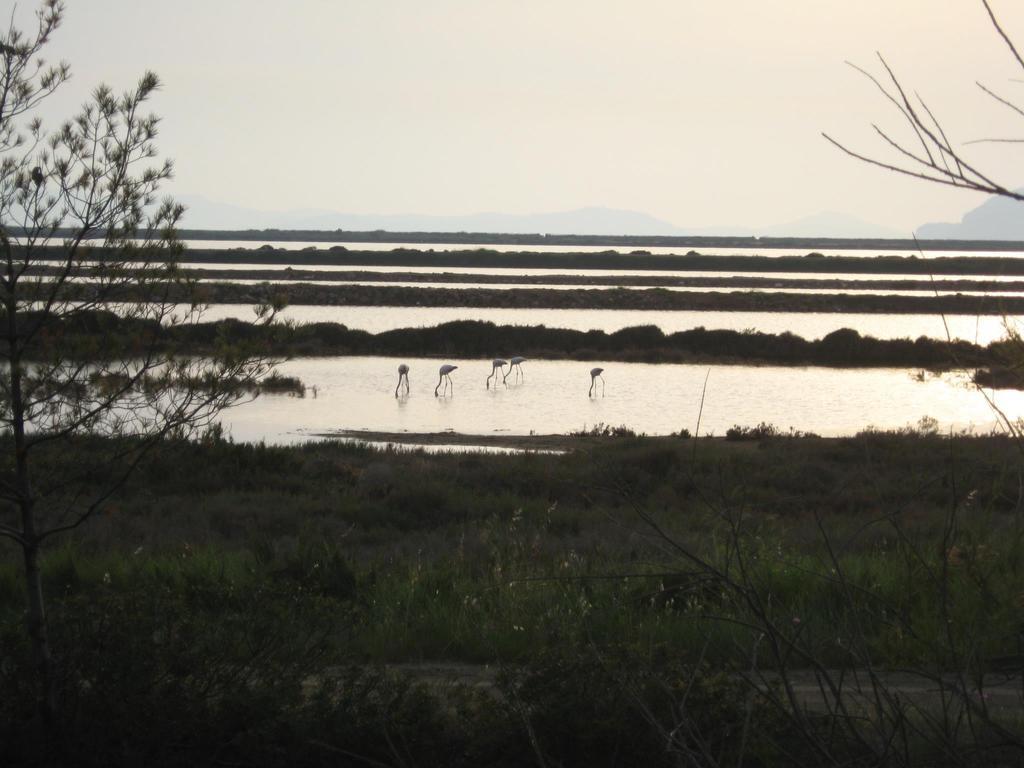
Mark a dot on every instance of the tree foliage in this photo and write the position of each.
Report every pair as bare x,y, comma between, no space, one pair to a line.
90,182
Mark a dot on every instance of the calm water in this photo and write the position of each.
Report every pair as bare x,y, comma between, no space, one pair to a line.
982,330
300,245
358,393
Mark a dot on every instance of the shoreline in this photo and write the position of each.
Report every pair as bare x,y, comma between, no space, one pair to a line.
814,262
843,348
504,238
544,443
290,274
654,299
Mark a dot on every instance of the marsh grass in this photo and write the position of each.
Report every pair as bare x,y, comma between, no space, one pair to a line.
228,579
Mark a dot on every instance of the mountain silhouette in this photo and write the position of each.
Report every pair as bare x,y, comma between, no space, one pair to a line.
207,214
998,218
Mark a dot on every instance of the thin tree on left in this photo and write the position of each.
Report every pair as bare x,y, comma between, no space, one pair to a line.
90,297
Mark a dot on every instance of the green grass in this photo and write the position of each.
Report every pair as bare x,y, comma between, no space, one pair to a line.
227,588
484,558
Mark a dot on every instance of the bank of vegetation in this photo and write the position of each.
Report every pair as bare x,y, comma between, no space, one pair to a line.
686,262
664,241
822,284
634,598
474,338
654,299
381,236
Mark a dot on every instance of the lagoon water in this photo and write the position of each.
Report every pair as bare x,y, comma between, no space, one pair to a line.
357,393
298,245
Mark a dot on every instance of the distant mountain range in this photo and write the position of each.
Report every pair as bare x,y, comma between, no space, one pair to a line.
998,218
828,224
207,214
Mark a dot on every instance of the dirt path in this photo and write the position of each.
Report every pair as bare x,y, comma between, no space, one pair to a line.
1001,694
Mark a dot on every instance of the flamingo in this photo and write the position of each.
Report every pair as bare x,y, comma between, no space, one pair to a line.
445,376
595,374
403,375
496,365
517,364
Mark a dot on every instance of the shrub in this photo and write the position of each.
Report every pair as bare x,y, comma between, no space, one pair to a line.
760,432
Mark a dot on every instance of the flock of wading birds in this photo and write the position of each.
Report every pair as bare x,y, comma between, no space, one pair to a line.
497,366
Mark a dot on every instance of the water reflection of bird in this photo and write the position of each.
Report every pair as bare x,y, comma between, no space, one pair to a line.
595,374
445,370
403,375
496,364
517,364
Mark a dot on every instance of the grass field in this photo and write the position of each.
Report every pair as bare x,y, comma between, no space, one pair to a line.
251,570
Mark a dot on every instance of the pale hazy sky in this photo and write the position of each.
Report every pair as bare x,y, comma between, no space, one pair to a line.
700,112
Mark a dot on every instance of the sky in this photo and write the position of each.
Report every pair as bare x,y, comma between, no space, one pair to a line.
700,113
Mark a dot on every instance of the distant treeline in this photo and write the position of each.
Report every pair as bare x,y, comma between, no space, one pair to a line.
457,279
582,298
724,281
653,299
689,262
471,338
660,241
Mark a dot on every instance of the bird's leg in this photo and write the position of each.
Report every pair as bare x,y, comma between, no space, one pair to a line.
602,386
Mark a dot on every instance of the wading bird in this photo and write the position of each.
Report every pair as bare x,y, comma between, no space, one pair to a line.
403,375
445,376
517,363
595,374
496,365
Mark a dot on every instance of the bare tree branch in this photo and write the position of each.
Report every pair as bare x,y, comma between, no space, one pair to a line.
1002,34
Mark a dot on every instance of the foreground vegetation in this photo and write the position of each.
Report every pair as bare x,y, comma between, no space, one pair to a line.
637,598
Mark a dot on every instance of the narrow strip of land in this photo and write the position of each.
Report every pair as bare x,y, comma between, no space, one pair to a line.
611,260
582,298
823,284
